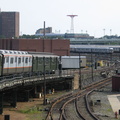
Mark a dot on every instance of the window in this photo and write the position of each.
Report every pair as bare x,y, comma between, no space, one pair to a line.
19,60
29,59
11,61
4,60
47,60
15,59
53,60
40,60
23,59
26,60
7,59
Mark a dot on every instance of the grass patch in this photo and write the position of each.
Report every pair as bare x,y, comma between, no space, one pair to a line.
32,110
109,110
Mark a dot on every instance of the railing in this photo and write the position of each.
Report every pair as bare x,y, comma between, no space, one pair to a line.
15,80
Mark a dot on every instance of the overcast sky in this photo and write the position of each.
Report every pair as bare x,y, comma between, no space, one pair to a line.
93,15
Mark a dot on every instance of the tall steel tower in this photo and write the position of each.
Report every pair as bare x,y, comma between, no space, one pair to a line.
72,24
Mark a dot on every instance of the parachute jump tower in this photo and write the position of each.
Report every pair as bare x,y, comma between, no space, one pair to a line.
72,24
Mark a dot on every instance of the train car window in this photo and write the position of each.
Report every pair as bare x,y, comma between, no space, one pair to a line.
15,59
19,60
29,59
46,60
23,59
26,60
53,60
11,60
40,60
7,59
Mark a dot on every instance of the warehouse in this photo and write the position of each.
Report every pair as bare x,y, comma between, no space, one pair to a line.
57,46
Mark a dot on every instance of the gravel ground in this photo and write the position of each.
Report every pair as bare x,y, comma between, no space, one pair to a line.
33,110
103,108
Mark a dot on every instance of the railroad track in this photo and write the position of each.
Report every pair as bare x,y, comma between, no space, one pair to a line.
68,107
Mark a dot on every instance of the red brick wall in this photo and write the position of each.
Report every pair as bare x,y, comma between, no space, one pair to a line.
57,46
5,44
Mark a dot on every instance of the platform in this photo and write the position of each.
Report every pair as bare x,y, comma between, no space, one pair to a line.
115,102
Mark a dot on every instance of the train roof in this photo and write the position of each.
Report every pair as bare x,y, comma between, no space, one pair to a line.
38,55
94,46
73,57
43,54
12,52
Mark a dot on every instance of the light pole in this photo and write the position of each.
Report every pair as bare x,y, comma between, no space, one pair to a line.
81,31
110,32
104,32
60,66
92,64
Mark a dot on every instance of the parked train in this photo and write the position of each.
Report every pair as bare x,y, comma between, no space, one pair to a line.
89,49
14,62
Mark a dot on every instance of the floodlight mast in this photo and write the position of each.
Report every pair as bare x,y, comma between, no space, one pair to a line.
72,23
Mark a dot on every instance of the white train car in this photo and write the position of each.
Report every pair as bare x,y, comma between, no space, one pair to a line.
15,61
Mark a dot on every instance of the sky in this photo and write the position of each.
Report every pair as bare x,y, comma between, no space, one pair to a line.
95,17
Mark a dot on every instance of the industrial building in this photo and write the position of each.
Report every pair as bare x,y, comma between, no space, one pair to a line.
41,30
9,24
59,47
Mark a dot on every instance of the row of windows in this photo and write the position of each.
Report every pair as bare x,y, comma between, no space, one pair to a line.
17,59
40,60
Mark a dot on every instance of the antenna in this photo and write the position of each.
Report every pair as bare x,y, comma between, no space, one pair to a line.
72,24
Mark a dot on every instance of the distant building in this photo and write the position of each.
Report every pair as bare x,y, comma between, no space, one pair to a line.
78,35
66,35
9,24
41,30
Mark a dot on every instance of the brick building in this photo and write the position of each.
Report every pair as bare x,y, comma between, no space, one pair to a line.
9,24
57,46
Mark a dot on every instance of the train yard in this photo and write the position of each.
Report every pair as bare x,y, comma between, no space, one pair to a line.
74,107
77,104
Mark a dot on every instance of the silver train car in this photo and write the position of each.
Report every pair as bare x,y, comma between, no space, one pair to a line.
15,62
89,49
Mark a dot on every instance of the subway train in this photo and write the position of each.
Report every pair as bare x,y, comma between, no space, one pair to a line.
89,49
21,62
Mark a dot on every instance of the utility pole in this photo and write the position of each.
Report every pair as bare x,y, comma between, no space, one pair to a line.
92,63
44,101
80,72
44,38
